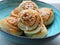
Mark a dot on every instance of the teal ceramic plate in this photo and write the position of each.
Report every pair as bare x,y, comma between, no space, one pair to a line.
7,6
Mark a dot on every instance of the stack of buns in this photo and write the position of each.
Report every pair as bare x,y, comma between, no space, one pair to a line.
31,23
27,18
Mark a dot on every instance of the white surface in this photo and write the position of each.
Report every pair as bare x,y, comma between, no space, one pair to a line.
50,1
1,0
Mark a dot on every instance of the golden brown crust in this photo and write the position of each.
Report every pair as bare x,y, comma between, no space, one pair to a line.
28,5
10,22
29,17
43,32
15,12
46,14
9,25
39,33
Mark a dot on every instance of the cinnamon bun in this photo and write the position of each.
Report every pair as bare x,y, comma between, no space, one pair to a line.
28,5
47,15
10,25
39,32
31,23
15,12
29,19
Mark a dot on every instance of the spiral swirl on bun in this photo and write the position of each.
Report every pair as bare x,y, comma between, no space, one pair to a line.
15,12
31,23
10,25
29,19
47,15
28,5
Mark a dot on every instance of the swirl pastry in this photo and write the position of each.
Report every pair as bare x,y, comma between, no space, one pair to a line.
47,15
28,5
39,32
15,12
31,23
28,19
10,25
